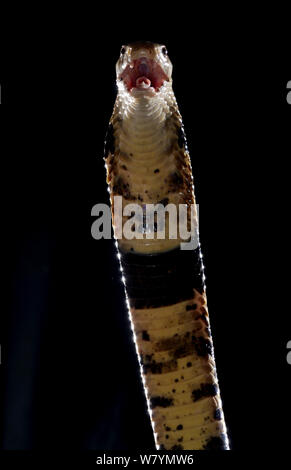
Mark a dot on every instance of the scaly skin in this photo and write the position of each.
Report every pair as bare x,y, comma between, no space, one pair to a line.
148,162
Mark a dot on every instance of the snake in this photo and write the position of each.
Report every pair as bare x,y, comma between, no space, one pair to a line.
148,162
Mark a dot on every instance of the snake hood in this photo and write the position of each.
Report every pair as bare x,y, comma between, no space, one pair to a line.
143,67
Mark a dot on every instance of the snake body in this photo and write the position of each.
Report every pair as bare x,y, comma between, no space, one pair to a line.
147,162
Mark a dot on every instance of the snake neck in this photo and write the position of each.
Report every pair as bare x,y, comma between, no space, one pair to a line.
144,130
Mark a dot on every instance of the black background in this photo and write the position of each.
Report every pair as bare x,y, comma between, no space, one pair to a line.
69,375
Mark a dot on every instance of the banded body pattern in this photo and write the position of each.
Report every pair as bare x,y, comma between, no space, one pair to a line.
148,163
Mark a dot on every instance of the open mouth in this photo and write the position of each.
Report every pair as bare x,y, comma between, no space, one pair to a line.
143,73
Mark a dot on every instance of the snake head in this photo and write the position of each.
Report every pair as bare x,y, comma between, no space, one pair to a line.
143,66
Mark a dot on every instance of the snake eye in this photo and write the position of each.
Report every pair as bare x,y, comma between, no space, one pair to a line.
122,50
164,50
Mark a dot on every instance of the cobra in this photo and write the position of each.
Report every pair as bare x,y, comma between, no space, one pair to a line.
148,162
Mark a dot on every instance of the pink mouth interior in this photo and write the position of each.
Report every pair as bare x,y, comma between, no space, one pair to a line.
143,82
142,74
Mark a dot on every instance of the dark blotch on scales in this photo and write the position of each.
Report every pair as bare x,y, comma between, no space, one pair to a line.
162,279
216,443
158,367
163,402
205,390
203,346
145,335
217,414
